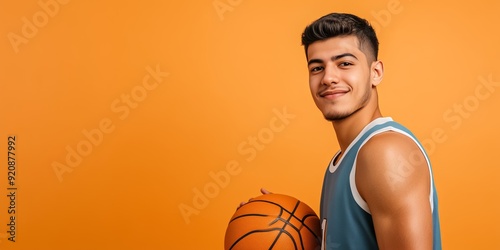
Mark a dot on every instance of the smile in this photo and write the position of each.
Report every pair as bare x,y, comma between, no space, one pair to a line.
333,94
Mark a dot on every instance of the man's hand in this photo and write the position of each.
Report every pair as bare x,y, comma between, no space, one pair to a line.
262,190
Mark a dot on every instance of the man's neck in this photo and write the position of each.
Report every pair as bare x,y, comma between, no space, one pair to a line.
347,129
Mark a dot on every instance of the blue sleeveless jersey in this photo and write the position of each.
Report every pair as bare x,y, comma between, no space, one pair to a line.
346,219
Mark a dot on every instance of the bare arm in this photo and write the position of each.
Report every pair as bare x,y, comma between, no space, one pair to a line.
393,178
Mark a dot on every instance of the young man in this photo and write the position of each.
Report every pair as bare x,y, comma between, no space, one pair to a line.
378,191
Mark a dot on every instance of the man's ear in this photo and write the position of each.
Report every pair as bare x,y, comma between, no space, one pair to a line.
376,73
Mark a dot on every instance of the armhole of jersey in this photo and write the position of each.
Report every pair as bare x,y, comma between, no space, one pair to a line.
352,176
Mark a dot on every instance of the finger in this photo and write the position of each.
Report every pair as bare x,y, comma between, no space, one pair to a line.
264,191
241,204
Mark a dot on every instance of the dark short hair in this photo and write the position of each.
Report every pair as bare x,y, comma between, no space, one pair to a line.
341,24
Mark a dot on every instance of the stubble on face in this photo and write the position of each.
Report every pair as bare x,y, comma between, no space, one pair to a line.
339,116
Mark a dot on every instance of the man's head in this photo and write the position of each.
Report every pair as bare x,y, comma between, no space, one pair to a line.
341,51
340,24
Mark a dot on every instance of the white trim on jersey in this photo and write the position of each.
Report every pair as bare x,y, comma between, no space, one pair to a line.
373,123
352,180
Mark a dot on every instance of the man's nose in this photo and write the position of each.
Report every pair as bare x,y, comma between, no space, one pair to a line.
331,75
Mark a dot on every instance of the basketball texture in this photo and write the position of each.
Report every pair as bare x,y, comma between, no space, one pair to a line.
273,221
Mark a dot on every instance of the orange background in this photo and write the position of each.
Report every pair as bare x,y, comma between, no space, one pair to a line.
229,72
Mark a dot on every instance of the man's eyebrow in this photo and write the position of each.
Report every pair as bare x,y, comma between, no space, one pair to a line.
333,58
314,61
343,55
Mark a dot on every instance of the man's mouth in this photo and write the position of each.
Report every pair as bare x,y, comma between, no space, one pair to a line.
333,93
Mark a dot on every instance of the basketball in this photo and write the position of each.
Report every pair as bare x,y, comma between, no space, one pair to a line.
273,221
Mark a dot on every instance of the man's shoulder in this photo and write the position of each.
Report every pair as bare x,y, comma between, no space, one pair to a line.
388,151
394,164
388,142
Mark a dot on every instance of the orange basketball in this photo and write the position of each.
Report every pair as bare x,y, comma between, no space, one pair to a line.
273,221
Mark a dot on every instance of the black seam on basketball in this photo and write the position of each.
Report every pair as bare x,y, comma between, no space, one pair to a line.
245,215
287,223
278,218
278,205
318,238
299,219
296,230
290,236
257,231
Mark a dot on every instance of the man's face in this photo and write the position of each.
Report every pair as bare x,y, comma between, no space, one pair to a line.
339,76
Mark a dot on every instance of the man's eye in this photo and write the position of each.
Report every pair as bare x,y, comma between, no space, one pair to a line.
316,69
345,64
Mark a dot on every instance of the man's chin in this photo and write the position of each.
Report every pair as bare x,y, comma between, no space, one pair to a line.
336,117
